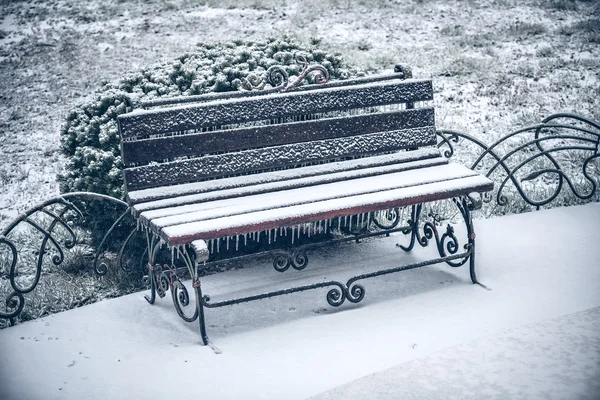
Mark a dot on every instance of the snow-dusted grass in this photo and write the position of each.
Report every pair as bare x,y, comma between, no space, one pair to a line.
496,64
430,324
72,283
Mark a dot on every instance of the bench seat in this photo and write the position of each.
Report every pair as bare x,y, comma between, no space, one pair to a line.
271,200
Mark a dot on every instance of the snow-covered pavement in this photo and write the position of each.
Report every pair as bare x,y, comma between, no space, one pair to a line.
425,333
556,358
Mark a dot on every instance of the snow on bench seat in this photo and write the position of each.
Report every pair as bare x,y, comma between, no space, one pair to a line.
313,203
314,191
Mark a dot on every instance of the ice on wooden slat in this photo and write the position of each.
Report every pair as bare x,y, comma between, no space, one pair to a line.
288,103
307,229
273,157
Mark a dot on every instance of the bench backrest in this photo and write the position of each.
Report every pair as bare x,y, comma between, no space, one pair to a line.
233,134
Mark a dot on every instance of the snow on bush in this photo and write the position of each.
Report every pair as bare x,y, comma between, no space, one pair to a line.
90,139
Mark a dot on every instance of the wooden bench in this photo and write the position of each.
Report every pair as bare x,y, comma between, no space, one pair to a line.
214,170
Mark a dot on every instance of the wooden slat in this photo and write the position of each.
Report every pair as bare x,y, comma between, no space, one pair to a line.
162,148
190,189
293,215
304,195
253,93
142,123
284,185
274,157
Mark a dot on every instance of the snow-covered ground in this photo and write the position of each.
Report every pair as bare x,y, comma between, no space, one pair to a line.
425,333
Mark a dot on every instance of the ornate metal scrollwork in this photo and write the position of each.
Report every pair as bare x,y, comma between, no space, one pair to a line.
387,219
279,80
24,253
357,226
336,296
297,259
535,162
167,279
447,244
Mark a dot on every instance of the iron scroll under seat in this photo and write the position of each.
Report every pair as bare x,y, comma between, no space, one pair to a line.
218,168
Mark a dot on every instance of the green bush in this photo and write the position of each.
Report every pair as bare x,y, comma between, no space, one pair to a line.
90,140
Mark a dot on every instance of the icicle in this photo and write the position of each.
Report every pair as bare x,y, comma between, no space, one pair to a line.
276,230
350,228
245,239
218,245
237,242
227,242
292,235
298,233
269,237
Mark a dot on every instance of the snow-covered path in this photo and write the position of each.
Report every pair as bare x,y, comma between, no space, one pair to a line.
556,358
429,331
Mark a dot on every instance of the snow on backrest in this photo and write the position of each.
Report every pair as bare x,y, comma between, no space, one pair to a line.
241,134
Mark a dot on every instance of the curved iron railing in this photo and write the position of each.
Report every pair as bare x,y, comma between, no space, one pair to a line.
531,166
38,239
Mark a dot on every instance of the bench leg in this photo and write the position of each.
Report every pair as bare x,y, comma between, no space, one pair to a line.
200,256
200,310
152,241
414,229
466,206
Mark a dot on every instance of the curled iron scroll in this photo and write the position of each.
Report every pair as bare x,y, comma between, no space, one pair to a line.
279,79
